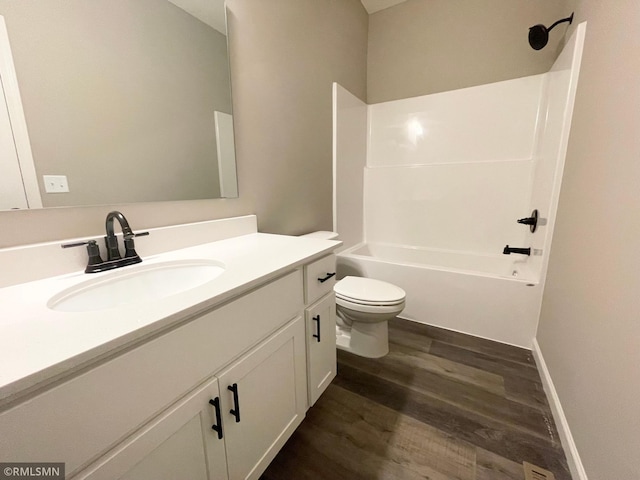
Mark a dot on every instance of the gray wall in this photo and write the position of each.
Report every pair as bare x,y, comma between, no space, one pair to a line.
282,110
427,46
285,59
589,329
119,96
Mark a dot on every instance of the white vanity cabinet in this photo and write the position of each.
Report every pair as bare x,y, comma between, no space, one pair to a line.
320,319
146,411
80,420
255,404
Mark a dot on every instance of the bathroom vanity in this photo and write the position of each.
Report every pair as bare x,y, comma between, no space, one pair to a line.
207,383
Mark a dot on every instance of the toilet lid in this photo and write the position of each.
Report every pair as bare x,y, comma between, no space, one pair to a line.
369,291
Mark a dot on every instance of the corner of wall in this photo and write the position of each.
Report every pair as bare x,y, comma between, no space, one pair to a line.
566,438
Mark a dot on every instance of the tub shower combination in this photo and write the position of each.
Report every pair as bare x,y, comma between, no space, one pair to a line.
439,195
476,294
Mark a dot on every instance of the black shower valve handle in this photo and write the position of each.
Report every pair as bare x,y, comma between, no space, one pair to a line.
532,221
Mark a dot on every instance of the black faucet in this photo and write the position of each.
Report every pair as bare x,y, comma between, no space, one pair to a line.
111,241
522,251
114,259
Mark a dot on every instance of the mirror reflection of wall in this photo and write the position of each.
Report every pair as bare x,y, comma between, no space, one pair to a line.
120,96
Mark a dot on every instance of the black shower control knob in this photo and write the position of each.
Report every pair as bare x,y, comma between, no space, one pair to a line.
532,221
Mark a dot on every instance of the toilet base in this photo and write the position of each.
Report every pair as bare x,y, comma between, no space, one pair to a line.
370,340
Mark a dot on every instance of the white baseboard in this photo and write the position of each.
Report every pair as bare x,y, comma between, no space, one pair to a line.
569,446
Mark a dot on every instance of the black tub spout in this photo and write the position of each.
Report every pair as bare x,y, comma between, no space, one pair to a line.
522,251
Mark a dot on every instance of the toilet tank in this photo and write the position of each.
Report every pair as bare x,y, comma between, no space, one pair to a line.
322,234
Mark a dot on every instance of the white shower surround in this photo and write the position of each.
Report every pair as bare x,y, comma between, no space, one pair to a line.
446,177
453,170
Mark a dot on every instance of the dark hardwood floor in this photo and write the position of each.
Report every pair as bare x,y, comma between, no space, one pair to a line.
440,406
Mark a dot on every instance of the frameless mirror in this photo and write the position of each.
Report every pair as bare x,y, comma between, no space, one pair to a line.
124,100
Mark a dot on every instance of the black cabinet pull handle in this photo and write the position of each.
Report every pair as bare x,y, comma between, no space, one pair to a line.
235,411
218,426
329,275
317,319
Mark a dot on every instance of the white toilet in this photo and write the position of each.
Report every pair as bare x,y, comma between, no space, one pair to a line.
364,306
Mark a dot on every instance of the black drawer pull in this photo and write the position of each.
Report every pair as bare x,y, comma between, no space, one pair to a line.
329,275
236,410
218,426
317,319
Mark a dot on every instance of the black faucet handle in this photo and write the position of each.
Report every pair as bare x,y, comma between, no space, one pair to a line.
93,250
129,236
129,247
78,244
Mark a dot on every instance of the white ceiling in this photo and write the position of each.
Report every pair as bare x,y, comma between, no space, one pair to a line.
373,6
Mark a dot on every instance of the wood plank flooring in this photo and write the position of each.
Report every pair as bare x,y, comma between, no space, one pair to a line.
440,406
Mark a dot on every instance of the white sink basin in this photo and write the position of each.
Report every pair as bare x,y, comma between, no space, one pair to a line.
136,284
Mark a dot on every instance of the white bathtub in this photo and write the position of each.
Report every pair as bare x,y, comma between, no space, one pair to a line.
490,296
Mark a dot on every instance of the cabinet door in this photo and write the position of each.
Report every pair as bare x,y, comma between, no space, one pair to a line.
263,401
180,444
321,346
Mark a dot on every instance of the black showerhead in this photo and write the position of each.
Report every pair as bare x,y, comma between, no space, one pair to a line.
539,34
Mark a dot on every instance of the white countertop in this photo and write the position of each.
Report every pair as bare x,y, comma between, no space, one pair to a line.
40,344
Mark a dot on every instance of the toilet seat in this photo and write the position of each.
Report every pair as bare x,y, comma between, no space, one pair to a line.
358,292
366,308
368,303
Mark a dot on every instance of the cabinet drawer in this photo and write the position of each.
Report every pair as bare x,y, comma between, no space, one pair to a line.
78,420
319,278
